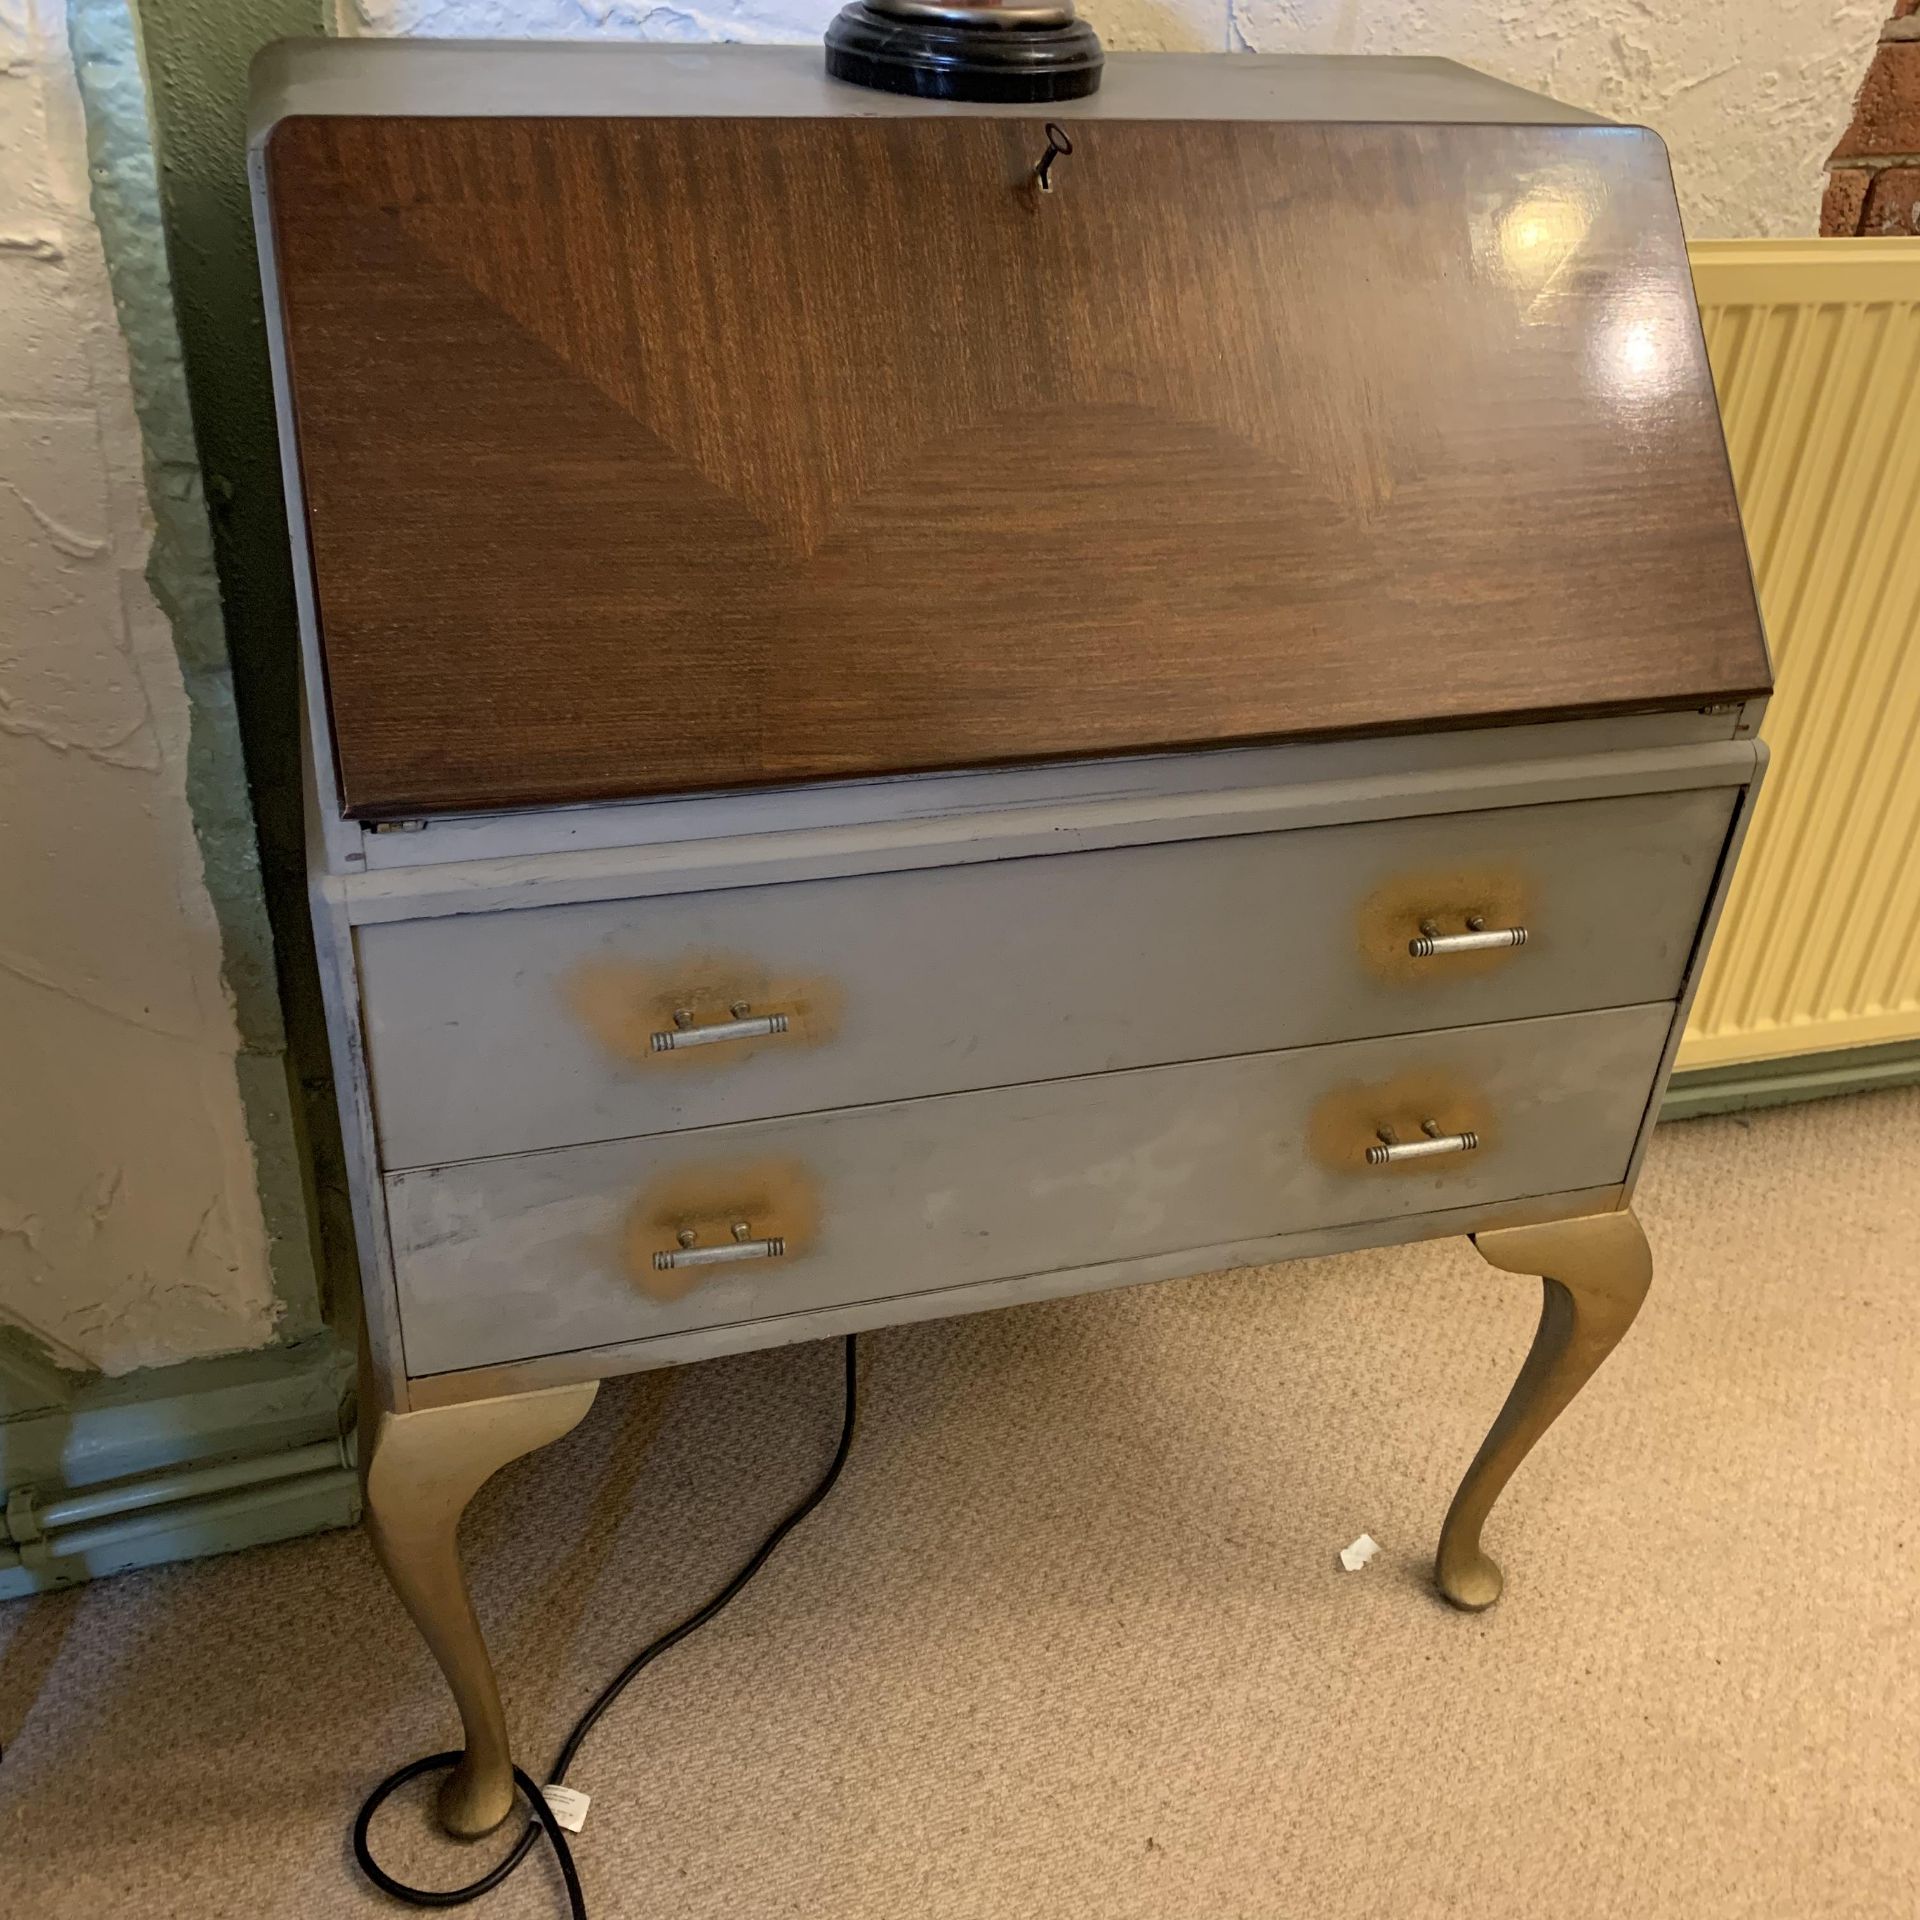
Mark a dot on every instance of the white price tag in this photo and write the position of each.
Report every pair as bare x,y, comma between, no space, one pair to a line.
569,1806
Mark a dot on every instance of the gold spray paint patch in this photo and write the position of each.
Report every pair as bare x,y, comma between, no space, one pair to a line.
1348,1120
624,1003
776,1199
1391,916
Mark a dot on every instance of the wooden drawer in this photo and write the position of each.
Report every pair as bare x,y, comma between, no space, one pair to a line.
512,1031
553,1252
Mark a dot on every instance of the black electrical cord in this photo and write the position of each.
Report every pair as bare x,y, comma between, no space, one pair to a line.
543,1820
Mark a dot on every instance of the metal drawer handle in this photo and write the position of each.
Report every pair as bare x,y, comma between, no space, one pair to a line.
744,1247
1478,938
683,1033
1391,1151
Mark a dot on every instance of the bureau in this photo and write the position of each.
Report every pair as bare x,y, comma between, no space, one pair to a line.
915,705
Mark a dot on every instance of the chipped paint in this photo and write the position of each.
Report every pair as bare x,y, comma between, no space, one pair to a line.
1748,94
33,246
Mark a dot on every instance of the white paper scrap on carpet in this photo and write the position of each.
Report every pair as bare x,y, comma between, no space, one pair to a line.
1355,1557
569,1805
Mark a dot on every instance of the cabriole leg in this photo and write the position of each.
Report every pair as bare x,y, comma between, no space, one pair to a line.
1594,1273
420,1470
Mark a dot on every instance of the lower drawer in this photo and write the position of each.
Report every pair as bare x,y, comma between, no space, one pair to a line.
513,1258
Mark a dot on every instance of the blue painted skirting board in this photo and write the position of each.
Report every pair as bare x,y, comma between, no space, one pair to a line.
177,1463
1807,1076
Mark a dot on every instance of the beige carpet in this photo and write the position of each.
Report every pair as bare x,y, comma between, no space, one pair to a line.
1072,1640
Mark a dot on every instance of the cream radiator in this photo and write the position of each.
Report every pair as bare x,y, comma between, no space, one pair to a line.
1816,354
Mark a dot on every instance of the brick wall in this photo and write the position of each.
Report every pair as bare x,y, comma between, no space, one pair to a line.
1873,175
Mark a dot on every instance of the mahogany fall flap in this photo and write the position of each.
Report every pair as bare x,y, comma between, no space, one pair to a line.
668,454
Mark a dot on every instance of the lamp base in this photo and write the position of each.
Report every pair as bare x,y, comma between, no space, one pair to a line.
943,57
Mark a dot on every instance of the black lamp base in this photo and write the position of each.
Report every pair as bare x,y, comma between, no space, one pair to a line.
944,59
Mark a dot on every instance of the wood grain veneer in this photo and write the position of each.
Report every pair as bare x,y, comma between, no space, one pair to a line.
651,455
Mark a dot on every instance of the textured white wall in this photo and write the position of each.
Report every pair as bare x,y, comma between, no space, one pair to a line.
1749,94
130,1224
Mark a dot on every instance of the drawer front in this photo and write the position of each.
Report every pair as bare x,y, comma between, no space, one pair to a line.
514,1031
553,1252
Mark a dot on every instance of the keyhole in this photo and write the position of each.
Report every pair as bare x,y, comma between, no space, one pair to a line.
1057,144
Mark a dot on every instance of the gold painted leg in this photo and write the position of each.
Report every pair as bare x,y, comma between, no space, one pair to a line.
1594,1274
420,1471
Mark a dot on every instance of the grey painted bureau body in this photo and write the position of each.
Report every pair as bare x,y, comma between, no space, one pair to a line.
1046,1030
629,1083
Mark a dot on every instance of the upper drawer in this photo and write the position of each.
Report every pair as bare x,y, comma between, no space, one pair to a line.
503,1032
663,454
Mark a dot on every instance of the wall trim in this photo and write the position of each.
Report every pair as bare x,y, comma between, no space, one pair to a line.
178,1463
1776,1083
